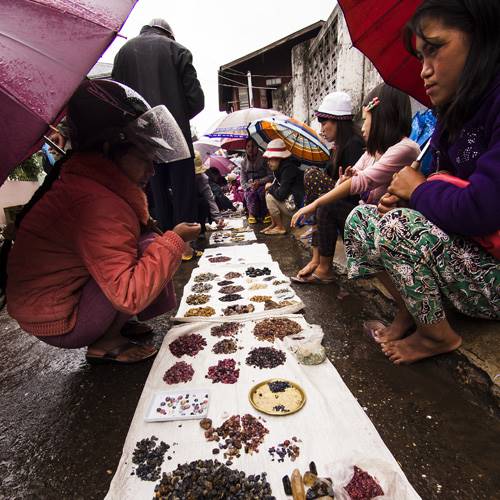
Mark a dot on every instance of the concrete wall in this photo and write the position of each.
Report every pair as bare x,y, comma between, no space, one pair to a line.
326,64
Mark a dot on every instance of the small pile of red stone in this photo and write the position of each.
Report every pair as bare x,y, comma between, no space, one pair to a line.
224,371
362,486
180,372
190,345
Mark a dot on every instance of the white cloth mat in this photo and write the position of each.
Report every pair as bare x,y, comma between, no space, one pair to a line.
331,425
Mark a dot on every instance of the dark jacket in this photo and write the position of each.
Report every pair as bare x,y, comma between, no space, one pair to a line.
475,157
288,180
351,153
162,71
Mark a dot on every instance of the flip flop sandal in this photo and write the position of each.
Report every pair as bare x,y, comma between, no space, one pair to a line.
300,279
111,356
312,280
195,255
371,327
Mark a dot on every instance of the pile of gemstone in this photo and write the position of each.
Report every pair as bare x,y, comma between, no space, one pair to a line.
363,486
201,287
180,372
236,435
224,371
189,344
202,479
205,277
279,328
288,448
254,272
148,457
225,330
238,309
200,311
197,299
265,357
225,346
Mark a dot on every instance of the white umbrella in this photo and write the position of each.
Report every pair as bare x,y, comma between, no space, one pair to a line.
206,146
234,125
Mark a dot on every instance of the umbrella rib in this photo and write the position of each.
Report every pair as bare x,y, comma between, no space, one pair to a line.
34,49
20,103
77,16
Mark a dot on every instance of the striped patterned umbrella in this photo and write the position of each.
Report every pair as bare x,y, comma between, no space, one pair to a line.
300,139
234,125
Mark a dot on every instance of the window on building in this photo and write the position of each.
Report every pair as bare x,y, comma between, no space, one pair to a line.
243,97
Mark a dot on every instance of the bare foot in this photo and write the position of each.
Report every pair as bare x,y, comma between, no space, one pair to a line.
396,330
266,229
308,269
417,347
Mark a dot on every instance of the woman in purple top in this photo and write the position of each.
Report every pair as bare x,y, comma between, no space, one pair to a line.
254,176
427,252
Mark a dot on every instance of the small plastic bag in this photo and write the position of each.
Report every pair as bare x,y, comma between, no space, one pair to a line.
391,480
306,345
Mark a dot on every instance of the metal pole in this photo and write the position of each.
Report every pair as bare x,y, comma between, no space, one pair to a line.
250,89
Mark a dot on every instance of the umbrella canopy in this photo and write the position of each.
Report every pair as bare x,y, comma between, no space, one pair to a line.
376,28
221,163
234,144
300,139
206,147
234,125
46,48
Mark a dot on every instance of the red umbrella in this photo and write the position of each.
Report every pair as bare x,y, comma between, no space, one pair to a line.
221,163
376,28
233,144
46,48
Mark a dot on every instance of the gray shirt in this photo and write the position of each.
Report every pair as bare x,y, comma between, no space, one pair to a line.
255,170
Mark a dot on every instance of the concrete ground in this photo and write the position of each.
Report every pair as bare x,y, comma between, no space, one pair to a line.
63,422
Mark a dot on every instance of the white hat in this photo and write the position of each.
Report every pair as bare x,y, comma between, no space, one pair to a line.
276,149
336,106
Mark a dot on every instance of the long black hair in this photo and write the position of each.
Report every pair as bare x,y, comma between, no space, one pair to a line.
391,119
346,130
480,19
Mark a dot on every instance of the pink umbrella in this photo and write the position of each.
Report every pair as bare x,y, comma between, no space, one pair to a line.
46,48
221,163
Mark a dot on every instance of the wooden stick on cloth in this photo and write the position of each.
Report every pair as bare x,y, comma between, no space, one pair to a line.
298,490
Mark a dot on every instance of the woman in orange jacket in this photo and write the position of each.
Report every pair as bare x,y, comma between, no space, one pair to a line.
85,258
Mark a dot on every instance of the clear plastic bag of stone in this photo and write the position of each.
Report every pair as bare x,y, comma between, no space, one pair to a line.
307,345
369,473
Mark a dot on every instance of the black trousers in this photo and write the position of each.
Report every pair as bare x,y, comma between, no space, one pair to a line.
331,222
173,196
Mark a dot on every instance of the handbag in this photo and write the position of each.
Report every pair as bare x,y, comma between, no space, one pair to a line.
490,243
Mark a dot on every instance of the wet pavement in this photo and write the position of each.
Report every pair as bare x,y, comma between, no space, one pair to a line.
63,423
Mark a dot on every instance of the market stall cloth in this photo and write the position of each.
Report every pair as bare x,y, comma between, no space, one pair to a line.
300,139
263,291
47,47
230,238
237,254
331,429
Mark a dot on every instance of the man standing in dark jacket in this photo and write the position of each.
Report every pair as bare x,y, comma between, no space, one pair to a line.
162,71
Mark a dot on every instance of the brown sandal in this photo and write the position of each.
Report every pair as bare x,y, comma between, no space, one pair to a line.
112,356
